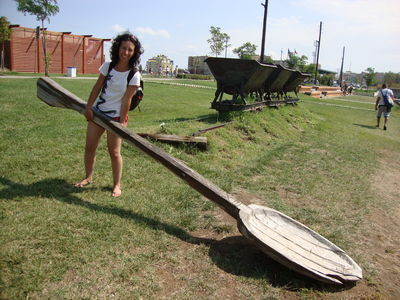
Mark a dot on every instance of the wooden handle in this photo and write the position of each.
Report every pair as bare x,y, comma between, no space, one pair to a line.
55,95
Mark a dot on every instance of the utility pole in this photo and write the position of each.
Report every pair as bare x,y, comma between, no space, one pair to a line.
264,31
341,69
319,44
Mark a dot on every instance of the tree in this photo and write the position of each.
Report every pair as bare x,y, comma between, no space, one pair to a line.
326,79
296,62
369,76
217,40
225,40
310,69
268,60
246,51
42,9
389,78
397,78
4,36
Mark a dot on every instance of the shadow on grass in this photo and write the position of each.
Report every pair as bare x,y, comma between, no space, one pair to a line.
366,126
208,119
238,256
235,255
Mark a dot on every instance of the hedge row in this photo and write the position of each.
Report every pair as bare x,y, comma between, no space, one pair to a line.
194,76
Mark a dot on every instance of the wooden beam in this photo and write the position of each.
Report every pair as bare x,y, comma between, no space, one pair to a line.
55,95
197,133
199,141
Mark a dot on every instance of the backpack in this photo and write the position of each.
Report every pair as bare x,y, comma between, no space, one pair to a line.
389,104
138,96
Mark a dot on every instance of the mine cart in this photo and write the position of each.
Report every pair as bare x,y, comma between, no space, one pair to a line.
238,77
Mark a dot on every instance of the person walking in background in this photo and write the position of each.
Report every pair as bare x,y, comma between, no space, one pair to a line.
344,89
381,106
111,95
350,90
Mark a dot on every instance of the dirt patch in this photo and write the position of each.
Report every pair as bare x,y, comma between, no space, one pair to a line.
248,198
379,241
382,239
206,266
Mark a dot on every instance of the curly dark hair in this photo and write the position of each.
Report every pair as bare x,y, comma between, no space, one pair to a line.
114,51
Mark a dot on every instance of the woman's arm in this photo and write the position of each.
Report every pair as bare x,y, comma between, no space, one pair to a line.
93,96
126,102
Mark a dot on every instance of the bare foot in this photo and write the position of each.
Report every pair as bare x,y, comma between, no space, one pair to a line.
82,183
116,192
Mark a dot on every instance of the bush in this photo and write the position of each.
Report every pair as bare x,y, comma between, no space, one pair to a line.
194,76
326,79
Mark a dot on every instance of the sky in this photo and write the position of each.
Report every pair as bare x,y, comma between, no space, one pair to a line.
368,29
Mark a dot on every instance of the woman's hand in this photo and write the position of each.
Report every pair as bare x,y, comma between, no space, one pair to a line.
125,104
124,123
92,97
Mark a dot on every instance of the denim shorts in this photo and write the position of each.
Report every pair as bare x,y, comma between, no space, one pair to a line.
116,119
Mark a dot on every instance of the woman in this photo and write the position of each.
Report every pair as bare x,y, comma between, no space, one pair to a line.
112,95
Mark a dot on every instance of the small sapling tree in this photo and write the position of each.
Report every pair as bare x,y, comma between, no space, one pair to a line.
217,40
4,36
296,62
42,9
369,76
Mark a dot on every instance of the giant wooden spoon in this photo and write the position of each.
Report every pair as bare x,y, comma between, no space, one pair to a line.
282,238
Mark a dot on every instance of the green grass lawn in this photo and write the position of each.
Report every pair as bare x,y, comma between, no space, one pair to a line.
205,83
11,73
313,161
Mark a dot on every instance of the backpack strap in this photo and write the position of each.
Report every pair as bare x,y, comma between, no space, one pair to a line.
130,75
386,94
105,80
109,70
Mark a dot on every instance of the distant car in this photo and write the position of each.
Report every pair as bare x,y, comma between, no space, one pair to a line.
183,72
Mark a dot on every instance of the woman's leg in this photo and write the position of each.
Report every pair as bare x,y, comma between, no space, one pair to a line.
93,135
114,149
